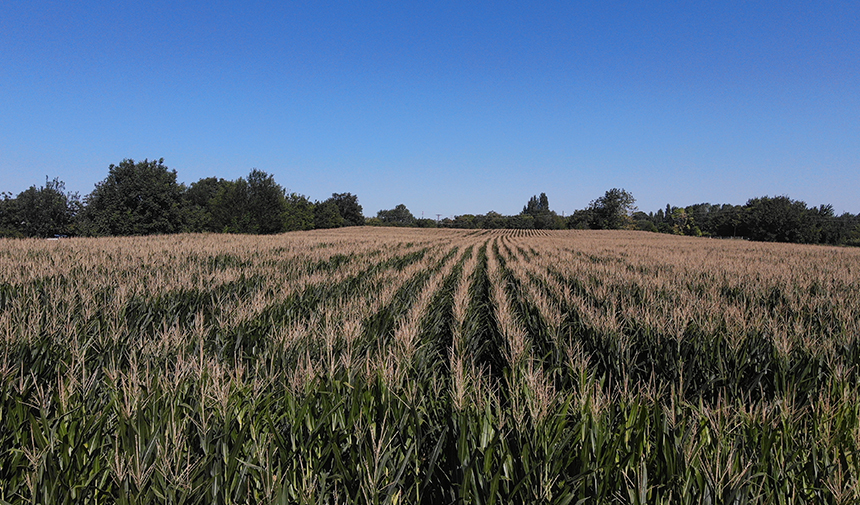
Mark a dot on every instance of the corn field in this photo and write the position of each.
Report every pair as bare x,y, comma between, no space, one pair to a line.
370,365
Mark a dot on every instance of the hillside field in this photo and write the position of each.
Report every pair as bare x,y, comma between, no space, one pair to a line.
389,365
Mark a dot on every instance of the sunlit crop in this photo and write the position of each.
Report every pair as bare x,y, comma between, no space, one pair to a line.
380,365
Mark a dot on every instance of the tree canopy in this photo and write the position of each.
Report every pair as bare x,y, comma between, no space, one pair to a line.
612,211
47,211
299,213
348,208
542,218
141,198
398,216
327,215
135,199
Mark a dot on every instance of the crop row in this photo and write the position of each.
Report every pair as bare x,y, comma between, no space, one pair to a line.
431,366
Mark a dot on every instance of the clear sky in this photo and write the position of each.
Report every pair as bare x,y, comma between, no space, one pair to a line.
448,107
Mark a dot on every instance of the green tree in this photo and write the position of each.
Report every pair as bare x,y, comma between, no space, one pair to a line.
543,218
548,221
198,205
825,223
47,211
298,213
266,203
847,229
494,220
327,215
252,205
10,219
537,205
644,222
701,216
464,221
398,216
229,208
728,221
348,208
612,210
581,219
780,219
521,222
135,199
681,221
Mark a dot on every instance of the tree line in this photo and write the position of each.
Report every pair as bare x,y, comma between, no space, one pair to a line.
769,219
143,198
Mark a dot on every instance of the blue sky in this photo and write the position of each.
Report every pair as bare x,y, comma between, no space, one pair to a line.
447,107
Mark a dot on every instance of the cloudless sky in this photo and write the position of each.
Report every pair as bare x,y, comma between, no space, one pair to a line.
448,107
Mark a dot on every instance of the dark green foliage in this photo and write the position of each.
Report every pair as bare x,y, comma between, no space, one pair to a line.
10,219
768,219
255,205
465,221
265,203
348,208
521,222
46,211
780,219
298,213
144,198
612,210
327,215
493,220
135,199
438,323
580,219
230,208
542,217
398,216
537,205
199,211
484,341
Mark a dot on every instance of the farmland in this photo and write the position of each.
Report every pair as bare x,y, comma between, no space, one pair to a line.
393,365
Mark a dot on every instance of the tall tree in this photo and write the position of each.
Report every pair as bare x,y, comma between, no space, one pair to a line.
229,208
729,221
398,216
252,205
47,211
348,208
135,199
327,215
198,204
266,203
612,210
10,219
537,205
780,219
298,213
543,218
